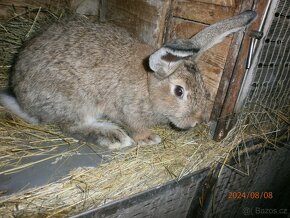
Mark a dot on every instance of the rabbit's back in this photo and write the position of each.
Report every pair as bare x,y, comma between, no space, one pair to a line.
76,65
75,44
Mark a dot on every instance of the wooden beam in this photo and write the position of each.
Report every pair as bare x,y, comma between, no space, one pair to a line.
233,76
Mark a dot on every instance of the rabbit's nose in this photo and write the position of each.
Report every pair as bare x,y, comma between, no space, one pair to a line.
197,119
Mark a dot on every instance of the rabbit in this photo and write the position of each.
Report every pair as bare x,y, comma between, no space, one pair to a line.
100,84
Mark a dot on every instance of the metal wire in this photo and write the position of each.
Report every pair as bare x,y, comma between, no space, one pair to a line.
270,87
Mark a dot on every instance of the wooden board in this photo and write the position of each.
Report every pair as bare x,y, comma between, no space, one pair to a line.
180,28
228,3
200,11
233,76
145,19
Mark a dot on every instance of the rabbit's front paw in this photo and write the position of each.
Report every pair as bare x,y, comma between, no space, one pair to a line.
118,139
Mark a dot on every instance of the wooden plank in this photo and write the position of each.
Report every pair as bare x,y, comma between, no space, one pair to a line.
145,19
227,3
211,76
211,80
211,65
200,11
226,77
224,109
181,28
217,55
233,91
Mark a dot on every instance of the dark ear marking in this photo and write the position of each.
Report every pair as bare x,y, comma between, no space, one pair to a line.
181,46
166,60
171,58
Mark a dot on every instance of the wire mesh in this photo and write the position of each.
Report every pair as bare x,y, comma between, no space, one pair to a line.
268,99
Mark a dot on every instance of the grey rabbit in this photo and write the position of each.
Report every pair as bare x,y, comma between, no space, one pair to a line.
92,80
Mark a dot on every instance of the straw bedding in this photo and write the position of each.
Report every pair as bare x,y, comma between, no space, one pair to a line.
131,171
128,172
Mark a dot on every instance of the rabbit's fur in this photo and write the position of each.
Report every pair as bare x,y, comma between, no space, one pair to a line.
80,75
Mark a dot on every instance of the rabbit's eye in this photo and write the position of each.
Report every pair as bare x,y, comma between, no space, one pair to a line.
178,91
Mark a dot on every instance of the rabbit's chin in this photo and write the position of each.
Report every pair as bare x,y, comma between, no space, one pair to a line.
173,126
180,126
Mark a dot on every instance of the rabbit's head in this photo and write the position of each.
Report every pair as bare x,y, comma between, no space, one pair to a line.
181,97
178,91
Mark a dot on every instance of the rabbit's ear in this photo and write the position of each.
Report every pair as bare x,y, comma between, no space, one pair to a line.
165,60
215,33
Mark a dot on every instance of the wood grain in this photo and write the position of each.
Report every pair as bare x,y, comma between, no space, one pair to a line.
184,28
200,11
229,89
228,3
